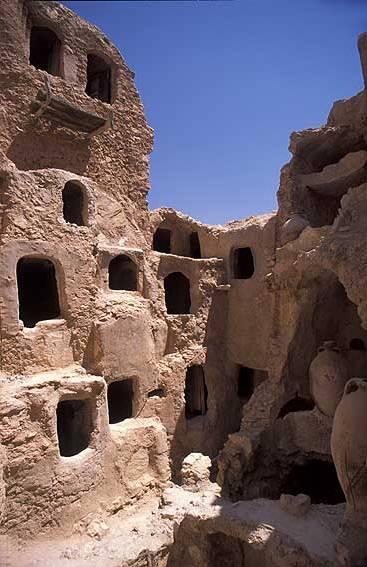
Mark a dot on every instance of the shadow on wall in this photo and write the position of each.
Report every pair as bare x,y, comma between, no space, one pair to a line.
326,314
92,352
212,548
204,422
41,150
228,540
177,238
315,477
212,544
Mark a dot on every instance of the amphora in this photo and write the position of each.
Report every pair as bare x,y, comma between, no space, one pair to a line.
349,449
328,372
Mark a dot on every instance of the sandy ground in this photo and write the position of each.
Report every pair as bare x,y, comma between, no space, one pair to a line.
146,531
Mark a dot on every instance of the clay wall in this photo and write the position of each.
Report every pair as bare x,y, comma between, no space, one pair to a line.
46,490
100,334
116,159
317,291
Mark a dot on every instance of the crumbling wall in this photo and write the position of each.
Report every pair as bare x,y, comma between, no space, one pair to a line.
117,159
318,295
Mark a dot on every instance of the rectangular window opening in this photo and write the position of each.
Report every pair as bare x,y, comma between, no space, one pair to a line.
120,397
74,426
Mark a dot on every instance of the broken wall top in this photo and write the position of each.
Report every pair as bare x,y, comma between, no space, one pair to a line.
59,136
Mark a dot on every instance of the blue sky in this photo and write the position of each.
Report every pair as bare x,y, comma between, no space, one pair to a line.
224,83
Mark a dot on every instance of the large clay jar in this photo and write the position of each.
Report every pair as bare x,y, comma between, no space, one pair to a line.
292,228
328,373
349,449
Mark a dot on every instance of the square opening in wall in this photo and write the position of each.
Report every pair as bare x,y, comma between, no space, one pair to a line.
99,84
196,393
246,382
162,240
37,290
45,50
243,265
74,426
195,249
120,395
123,273
177,294
75,206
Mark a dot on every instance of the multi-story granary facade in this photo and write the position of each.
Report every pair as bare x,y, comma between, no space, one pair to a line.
130,338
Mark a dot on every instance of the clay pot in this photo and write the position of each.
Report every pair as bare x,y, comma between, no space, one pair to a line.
349,448
328,374
292,228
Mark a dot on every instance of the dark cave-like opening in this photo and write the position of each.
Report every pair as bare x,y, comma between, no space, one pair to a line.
245,382
44,50
296,404
243,265
74,426
162,240
120,395
177,293
122,274
196,393
195,249
98,78
225,551
73,204
317,479
37,290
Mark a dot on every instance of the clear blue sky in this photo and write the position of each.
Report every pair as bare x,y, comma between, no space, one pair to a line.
224,83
